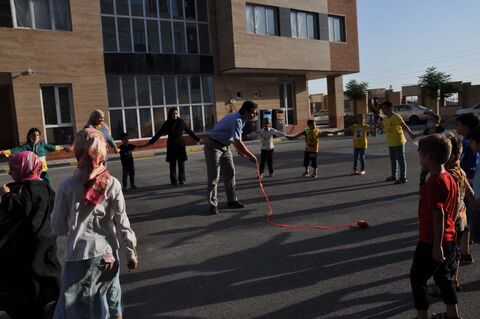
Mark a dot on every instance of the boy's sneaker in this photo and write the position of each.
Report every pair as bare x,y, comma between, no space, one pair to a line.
400,181
466,259
305,174
236,204
261,175
391,179
314,176
362,172
355,172
213,210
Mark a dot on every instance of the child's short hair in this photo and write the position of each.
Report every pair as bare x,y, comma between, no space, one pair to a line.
456,145
387,104
309,122
123,135
475,134
469,120
437,147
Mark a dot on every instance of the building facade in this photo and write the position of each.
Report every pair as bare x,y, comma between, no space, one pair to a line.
136,59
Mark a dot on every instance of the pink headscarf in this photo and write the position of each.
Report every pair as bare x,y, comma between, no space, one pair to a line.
90,151
25,166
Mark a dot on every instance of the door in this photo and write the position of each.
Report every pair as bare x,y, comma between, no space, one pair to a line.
287,102
7,126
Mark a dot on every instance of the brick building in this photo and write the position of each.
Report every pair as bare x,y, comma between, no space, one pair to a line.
135,59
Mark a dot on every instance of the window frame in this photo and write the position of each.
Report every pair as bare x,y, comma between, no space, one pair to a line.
316,29
343,31
32,14
266,8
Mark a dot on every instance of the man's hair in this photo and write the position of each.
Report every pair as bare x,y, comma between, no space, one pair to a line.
248,106
469,120
456,145
437,147
310,122
123,135
387,104
475,134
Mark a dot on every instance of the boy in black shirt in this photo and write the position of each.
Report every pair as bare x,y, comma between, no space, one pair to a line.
126,158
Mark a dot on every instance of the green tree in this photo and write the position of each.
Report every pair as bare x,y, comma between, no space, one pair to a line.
435,82
355,90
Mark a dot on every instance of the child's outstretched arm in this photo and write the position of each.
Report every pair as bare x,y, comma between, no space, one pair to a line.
292,137
253,135
409,131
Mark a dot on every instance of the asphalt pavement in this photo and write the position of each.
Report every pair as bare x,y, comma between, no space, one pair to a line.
234,265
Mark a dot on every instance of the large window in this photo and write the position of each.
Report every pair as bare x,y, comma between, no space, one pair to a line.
139,104
304,24
336,29
57,114
262,20
41,14
155,26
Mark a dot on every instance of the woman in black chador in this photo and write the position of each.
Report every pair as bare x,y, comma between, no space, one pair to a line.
175,127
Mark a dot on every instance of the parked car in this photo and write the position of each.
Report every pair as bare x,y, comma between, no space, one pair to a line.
321,117
466,110
412,113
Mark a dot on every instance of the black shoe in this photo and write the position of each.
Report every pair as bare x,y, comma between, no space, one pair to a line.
174,183
213,210
391,179
400,181
236,204
133,187
181,182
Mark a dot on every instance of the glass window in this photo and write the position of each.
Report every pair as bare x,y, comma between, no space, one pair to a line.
293,23
311,26
128,88
152,33
190,10
151,8
60,135
49,106
302,25
185,115
204,38
179,37
106,6
5,14
61,12
166,30
41,9
158,117
122,7
64,102
209,117
207,87
260,20
170,90
164,8
250,19
202,10
131,123
182,84
113,89
336,29
116,123
23,14
192,38
143,90
157,89
139,43
197,118
124,36
109,35
145,122
177,9
271,22
195,89
136,7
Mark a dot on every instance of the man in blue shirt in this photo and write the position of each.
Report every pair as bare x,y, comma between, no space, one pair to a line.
219,158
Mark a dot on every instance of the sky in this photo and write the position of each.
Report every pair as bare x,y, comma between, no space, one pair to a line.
399,39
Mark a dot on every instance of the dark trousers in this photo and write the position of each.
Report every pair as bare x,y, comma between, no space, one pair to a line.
310,159
128,171
397,155
358,154
268,156
173,172
424,267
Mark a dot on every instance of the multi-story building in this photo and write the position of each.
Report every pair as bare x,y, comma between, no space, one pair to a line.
135,59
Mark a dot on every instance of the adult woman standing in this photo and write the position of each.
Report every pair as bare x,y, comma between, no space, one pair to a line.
174,127
30,274
97,121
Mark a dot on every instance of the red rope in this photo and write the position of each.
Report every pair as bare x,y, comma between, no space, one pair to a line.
268,217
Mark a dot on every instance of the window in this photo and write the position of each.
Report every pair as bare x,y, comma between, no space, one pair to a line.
262,20
42,14
287,102
413,99
452,99
146,99
336,29
304,24
5,14
57,114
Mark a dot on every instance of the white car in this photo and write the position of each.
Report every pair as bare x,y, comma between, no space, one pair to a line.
412,113
466,110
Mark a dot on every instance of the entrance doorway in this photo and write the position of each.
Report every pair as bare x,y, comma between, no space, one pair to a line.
7,125
287,102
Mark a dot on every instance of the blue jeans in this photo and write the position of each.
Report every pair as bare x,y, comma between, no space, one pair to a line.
397,154
358,153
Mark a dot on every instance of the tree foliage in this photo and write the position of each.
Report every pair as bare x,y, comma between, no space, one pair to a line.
432,81
355,90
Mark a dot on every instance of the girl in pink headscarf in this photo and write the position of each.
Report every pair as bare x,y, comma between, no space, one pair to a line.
29,279
90,210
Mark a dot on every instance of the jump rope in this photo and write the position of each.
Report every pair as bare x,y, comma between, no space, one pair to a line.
361,224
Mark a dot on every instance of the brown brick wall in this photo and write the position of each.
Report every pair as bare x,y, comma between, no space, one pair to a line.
344,56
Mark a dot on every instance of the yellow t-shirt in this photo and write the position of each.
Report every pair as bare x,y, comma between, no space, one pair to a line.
394,130
360,132
312,143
